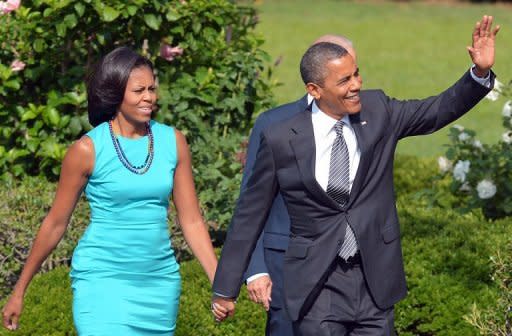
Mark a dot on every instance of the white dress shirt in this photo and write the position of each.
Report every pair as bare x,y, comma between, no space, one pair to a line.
323,129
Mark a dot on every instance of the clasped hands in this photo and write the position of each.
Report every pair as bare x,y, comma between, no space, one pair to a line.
222,308
259,291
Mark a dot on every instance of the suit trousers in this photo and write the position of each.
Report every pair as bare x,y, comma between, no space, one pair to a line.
345,307
278,322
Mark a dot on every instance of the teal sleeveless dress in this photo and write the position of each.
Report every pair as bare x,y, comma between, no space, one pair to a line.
125,278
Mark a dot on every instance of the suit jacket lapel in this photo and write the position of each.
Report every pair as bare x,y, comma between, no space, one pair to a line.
303,145
360,128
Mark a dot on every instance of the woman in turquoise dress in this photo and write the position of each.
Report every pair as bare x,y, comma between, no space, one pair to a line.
125,278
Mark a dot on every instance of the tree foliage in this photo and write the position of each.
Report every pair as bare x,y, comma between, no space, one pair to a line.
209,88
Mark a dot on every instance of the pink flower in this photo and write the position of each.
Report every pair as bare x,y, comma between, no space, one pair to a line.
169,53
9,6
17,65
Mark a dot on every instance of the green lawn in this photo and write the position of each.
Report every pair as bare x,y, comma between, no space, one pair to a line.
411,50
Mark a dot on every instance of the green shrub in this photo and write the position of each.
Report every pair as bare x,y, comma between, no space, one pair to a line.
496,320
23,207
481,174
195,317
47,310
49,298
446,261
210,91
412,174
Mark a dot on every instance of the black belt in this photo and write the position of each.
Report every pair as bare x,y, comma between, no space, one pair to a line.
351,261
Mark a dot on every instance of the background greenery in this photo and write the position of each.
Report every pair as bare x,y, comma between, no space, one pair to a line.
447,260
210,92
409,49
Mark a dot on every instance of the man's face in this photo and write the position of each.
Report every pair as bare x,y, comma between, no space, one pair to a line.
339,94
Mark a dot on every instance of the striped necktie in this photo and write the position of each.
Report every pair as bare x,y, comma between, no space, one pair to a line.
339,183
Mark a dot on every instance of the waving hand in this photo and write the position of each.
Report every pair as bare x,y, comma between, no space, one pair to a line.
482,49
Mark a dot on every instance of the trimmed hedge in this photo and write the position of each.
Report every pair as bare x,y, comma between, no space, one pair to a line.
23,206
413,174
47,310
496,320
447,260
447,266
49,299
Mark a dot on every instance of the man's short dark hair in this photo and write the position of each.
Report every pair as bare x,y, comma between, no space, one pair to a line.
313,65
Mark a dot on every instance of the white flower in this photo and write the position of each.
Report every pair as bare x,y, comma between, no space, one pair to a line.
458,127
486,189
478,144
507,109
494,94
460,170
445,165
507,137
465,187
463,136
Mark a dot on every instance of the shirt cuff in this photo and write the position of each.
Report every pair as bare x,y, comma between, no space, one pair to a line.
223,296
254,277
486,81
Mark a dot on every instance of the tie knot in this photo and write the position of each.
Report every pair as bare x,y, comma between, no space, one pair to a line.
338,127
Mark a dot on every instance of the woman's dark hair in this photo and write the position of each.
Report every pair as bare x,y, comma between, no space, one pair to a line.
107,82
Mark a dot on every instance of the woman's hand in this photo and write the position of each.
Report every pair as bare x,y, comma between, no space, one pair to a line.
12,311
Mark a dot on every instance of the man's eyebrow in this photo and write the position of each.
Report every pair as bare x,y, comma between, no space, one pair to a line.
344,78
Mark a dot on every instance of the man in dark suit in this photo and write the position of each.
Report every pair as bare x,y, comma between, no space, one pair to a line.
264,274
333,165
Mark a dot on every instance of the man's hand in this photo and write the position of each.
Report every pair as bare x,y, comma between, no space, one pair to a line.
222,308
482,49
260,290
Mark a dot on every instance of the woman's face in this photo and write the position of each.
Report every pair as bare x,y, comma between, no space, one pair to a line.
140,96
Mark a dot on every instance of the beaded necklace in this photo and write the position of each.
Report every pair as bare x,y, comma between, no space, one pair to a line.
124,160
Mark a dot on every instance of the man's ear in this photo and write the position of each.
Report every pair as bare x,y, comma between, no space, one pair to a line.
314,90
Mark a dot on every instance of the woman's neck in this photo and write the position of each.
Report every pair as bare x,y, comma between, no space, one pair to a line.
128,129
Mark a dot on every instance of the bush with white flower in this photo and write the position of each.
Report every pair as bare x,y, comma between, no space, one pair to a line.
481,174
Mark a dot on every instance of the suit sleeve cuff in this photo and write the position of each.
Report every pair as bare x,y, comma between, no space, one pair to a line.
224,296
254,277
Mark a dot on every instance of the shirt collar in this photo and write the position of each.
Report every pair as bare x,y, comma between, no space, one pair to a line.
325,123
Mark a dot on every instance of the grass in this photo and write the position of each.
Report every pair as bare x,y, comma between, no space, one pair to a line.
408,49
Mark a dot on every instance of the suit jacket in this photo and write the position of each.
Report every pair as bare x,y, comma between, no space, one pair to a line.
276,232
285,163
